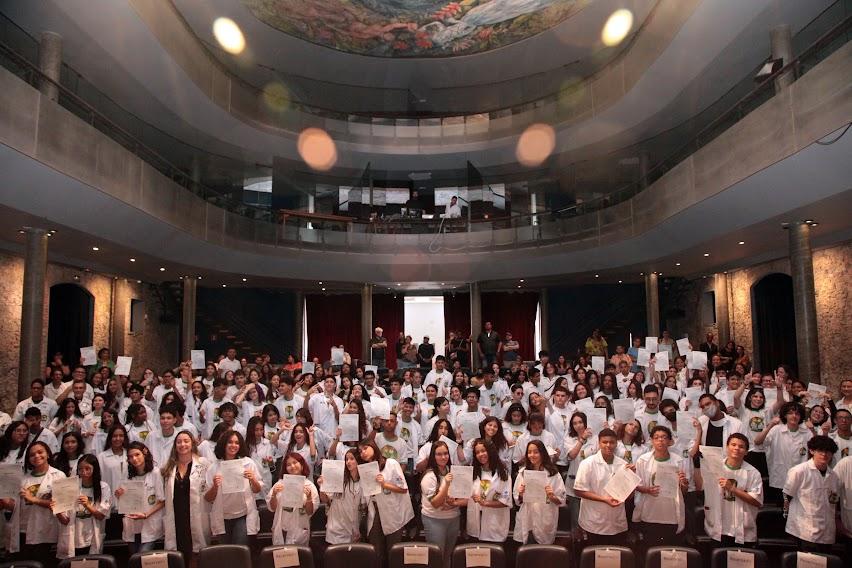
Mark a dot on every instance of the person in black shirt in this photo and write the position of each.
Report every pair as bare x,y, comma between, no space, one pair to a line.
425,352
378,345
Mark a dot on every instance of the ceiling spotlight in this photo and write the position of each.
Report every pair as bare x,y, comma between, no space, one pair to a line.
139,282
323,289
442,283
132,260
677,264
522,280
199,277
519,285
617,27
224,285
641,274
229,35
809,221
52,232
741,243
162,269
597,275
96,249
398,284
706,254
814,224
620,281
320,283
21,232
76,277
180,277
245,279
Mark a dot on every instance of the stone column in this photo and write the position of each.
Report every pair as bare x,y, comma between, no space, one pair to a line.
723,322
367,322
50,63
804,301
544,324
652,304
31,363
781,47
187,328
298,323
475,322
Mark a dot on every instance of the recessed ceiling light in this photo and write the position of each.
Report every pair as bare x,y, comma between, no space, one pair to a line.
162,269
741,243
132,260
522,280
323,289
519,285
597,275
398,284
52,232
814,224
677,264
21,232
245,279
809,221
224,285
442,283
320,283
617,27
96,248
229,35
620,281
139,282
706,254
641,274
199,277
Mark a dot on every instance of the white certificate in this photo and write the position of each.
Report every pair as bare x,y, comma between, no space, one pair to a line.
740,559
285,557
666,478
808,560
197,358
336,356
596,420
643,358
232,476
673,559
684,422
132,501
584,405
815,393
65,493
349,426
474,557
158,560
122,365
624,409
452,446
308,367
415,555
696,360
598,364
711,461
469,424
683,346
661,361
534,484
88,355
11,476
381,407
606,558
671,394
622,484
367,473
332,476
693,394
651,344
293,493
460,487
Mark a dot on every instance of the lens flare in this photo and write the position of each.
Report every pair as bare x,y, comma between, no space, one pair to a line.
535,144
229,35
617,27
317,149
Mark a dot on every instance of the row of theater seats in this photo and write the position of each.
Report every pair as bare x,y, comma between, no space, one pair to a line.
405,555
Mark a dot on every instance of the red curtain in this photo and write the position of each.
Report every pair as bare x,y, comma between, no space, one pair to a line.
333,320
515,312
456,314
389,314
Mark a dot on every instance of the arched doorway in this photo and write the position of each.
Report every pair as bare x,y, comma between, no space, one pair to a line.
774,322
72,313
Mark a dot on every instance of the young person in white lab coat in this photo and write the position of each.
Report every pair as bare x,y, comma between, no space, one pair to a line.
292,525
142,530
262,452
113,459
785,439
439,511
88,519
390,510
488,509
343,512
186,523
234,516
536,522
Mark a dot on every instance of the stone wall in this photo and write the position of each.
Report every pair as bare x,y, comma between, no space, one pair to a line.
155,346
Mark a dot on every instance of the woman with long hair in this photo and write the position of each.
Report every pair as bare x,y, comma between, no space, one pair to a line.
292,525
301,441
631,441
344,509
492,430
580,444
97,441
338,448
13,444
68,418
440,428
142,530
186,523
439,511
515,422
262,452
536,520
233,516
70,450
113,458
88,525
754,415
488,510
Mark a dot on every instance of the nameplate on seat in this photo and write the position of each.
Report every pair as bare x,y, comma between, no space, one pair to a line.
673,559
808,560
477,557
155,561
417,555
606,558
285,557
740,559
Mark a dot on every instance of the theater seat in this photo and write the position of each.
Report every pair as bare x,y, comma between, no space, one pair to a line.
22,564
790,560
496,552
175,559
103,560
224,556
587,557
720,557
653,557
358,554
542,555
267,556
396,556
699,540
771,534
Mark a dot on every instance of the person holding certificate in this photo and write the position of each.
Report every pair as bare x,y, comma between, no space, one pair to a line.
539,495
441,429
488,509
88,519
344,509
660,495
142,528
186,525
491,429
113,459
33,528
389,510
261,451
439,511
291,523
339,447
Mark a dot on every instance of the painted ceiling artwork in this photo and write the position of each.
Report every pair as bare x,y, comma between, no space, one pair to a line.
413,28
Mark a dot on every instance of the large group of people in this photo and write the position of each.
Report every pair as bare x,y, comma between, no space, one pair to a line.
631,444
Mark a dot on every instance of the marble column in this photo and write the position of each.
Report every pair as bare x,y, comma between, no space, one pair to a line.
187,328
50,63
31,361
781,47
652,304
475,321
804,301
298,323
544,324
367,322
723,322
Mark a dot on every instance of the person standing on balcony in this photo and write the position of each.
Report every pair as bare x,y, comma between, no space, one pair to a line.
378,346
230,362
425,352
488,344
596,345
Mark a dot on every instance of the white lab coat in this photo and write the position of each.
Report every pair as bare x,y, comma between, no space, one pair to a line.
490,524
539,518
151,528
81,530
259,454
395,509
292,526
344,515
42,525
217,519
198,507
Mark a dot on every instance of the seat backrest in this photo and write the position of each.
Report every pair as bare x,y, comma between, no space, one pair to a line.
175,558
358,554
479,554
771,523
721,557
542,555
681,556
22,564
404,554
305,555
591,553
104,560
790,560
224,556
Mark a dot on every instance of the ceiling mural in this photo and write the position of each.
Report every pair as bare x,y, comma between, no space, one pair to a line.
413,28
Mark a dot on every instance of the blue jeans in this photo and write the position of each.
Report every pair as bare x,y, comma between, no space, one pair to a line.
236,531
138,546
444,533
